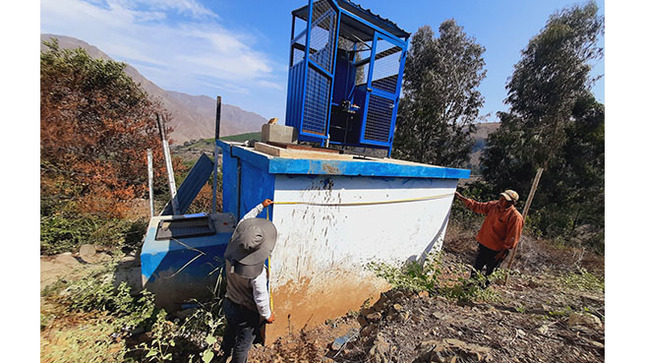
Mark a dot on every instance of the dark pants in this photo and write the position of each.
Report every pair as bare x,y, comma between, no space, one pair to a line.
242,326
485,258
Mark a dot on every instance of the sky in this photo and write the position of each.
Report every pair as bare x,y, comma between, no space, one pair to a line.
239,49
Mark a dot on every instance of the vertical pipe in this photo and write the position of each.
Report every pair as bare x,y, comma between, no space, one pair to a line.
171,174
151,184
218,112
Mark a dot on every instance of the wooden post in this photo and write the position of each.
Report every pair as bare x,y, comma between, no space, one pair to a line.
151,184
218,113
171,174
525,212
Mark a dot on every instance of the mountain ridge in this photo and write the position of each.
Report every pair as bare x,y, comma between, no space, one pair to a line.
193,116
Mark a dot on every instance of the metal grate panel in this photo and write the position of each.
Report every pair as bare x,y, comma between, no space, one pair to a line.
323,35
316,106
184,227
379,119
387,63
297,49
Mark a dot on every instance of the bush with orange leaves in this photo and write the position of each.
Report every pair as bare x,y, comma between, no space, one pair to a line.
96,125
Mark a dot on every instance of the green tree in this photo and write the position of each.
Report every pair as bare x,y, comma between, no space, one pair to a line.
440,102
552,120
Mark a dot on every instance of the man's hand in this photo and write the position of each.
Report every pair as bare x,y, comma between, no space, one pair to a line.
501,255
271,319
460,197
267,202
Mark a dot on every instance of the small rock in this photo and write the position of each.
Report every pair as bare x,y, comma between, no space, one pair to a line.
398,295
441,316
362,320
67,259
454,342
424,294
583,319
404,315
367,330
397,307
374,317
327,360
87,250
543,329
598,344
129,258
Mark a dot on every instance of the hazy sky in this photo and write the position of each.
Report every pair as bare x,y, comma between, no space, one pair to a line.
239,49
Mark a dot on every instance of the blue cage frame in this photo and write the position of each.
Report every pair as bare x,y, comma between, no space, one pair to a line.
345,73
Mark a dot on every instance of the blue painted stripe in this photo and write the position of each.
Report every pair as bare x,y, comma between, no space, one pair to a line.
276,165
363,168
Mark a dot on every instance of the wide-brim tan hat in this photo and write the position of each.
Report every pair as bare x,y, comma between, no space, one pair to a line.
510,195
251,244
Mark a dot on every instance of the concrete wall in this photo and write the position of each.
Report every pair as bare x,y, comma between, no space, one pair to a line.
333,217
318,265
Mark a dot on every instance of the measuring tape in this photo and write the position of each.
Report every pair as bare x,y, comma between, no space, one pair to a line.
365,203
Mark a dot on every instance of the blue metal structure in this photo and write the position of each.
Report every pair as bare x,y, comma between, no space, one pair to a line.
345,72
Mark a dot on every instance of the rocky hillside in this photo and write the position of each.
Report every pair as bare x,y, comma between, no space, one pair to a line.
551,310
193,116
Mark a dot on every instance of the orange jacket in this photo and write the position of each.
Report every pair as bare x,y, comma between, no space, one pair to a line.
501,228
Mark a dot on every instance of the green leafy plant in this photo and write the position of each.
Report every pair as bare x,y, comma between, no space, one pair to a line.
582,280
158,350
66,233
411,275
471,288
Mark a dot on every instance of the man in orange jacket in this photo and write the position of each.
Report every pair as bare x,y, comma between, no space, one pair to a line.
500,231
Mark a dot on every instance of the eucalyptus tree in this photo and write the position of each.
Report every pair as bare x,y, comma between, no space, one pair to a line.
549,98
440,102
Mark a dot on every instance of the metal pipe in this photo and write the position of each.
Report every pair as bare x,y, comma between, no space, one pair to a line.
170,172
151,184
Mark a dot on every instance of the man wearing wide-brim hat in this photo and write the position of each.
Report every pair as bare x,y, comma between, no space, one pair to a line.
246,305
500,231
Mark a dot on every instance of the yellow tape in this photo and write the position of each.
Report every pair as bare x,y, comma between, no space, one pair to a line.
366,203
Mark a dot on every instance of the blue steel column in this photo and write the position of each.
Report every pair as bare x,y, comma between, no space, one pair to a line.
399,81
304,78
325,142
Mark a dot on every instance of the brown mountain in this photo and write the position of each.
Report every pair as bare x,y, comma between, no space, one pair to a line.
193,116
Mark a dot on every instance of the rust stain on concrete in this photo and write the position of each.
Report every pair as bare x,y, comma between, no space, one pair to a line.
330,169
302,303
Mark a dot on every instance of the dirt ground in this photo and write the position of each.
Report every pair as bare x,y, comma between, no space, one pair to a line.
535,317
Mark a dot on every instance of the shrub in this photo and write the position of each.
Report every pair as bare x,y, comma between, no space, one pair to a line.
59,233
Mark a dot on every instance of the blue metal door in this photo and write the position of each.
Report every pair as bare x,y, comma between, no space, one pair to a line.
383,86
319,60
